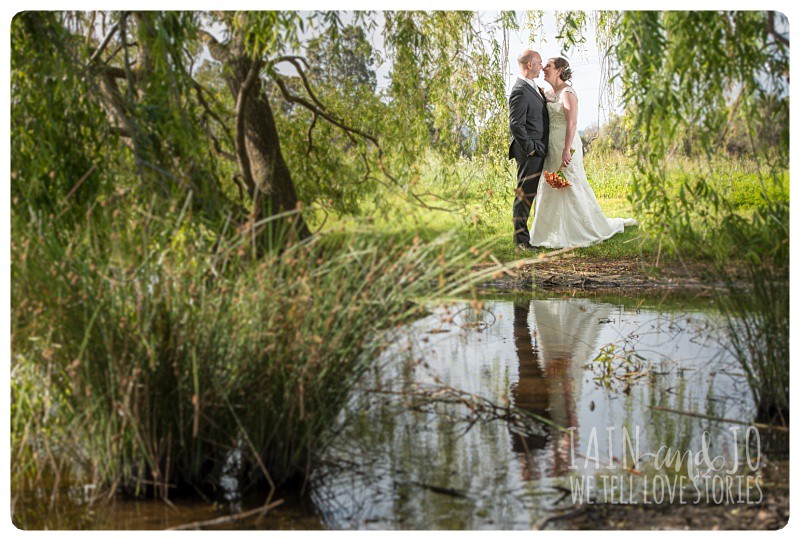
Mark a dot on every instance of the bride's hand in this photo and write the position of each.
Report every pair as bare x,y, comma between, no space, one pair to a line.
566,157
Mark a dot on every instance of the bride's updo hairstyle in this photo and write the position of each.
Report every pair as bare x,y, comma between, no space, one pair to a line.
563,65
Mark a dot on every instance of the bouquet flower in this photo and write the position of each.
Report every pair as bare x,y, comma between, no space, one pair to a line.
557,178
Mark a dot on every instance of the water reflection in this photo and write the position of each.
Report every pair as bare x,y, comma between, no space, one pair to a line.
433,467
551,369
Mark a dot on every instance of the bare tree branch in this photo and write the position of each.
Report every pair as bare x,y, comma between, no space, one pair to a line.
310,129
200,91
219,52
237,179
774,33
218,148
104,43
294,61
288,96
111,71
121,132
123,22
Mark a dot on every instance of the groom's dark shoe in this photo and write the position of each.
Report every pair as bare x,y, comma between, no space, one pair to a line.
525,247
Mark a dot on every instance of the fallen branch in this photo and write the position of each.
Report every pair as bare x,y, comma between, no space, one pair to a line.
228,519
722,419
434,488
563,516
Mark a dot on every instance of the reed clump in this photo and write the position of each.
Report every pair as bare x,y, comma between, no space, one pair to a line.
145,355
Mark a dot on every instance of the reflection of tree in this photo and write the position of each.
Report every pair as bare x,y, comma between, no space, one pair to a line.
550,369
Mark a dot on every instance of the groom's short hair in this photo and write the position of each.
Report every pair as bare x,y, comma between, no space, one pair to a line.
526,56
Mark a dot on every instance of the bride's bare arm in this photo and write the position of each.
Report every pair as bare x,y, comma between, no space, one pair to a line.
570,104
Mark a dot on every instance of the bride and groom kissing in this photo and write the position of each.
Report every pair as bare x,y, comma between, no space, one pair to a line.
545,139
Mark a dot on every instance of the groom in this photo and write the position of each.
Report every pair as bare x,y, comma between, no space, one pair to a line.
529,125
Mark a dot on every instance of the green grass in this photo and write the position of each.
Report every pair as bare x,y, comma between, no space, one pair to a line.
478,194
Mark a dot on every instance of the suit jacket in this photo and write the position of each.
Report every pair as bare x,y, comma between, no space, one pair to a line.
528,121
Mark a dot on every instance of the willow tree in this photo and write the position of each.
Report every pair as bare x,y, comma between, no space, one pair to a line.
285,135
699,76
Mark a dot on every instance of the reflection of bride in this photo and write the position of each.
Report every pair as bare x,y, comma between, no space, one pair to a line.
550,369
569,216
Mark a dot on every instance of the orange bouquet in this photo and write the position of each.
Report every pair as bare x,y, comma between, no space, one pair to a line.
557,179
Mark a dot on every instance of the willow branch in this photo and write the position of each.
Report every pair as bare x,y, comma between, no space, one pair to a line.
199,90
104,44
295,61
310,129
123,22
218,147
237,180
112,72
288,96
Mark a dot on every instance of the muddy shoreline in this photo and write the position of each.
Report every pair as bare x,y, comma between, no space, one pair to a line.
573,274
771,513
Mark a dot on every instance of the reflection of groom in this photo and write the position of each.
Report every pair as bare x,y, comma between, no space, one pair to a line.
529,125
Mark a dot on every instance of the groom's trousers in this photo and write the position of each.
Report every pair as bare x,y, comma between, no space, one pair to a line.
529,169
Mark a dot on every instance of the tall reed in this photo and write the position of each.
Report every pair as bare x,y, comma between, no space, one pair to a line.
757,315
144,354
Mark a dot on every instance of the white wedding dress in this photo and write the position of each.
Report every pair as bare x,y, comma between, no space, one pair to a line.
570,216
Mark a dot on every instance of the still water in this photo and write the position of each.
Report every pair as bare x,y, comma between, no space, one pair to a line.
435,467
427,442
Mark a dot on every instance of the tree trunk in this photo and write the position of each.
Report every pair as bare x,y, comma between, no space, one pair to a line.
265,172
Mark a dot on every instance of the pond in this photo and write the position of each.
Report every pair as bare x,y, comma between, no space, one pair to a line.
598,368
498,413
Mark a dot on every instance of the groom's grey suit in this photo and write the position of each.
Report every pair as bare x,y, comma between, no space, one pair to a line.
530,125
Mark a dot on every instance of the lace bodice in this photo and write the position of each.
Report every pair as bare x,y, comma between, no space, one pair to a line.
555,110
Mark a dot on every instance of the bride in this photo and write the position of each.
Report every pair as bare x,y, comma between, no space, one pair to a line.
569,216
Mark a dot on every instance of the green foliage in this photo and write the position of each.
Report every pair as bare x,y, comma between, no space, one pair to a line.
570,24
447,84
343,58
694,78
59,134
267,32
758,315
685,76
333,169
